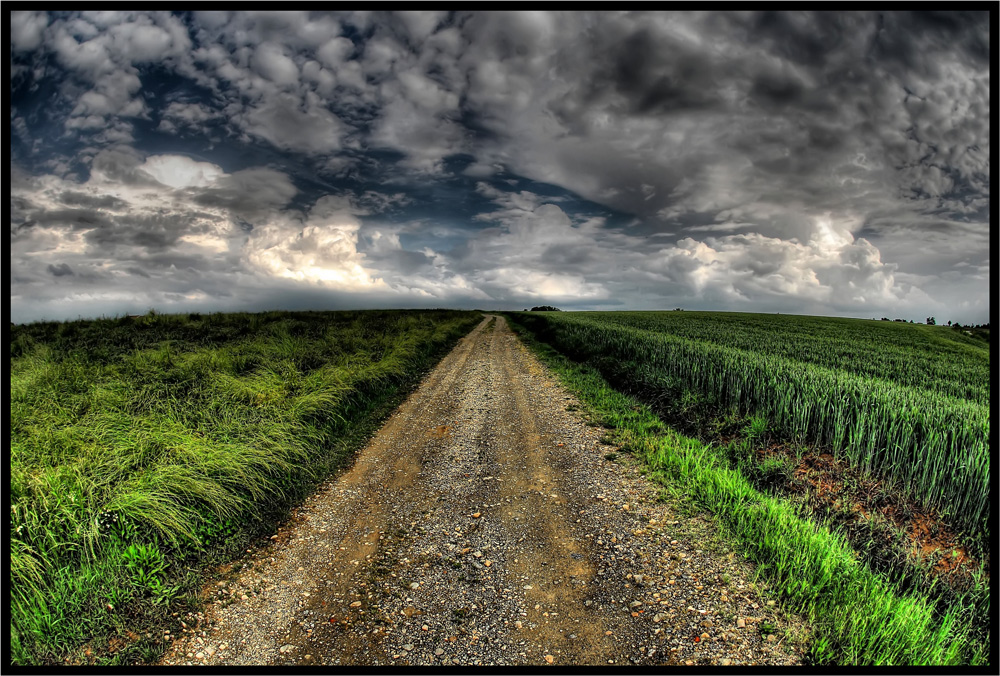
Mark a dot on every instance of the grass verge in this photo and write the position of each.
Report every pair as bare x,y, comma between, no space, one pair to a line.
144,449
858,617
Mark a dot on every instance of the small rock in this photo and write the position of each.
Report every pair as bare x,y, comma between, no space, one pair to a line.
439,651
635,604
637,579
414,585
408,647
725,661
741,623
355,604
550,659
476,515
527,586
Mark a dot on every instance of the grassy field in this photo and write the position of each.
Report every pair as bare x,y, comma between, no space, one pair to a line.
141,448
738,383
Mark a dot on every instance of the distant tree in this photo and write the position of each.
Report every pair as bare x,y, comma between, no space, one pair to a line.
545,308
885,319
949,322
930,321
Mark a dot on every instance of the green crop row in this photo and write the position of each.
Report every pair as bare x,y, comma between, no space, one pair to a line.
933,358
934,445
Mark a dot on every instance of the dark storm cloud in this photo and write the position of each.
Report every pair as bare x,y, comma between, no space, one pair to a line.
120,164
60,270
797,161
653,80
248,193
74,198
74,219
152,232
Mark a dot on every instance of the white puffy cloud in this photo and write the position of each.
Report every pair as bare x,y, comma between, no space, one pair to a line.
831,270
269,60
178,171
26,30
321,248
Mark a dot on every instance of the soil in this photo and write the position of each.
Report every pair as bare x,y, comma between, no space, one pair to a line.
488,523
858,497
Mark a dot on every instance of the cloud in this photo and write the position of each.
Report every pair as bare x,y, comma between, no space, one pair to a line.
248,194
178,171
26,30
322,248
290,123
833,271
269,61
60,270
187,115
802,161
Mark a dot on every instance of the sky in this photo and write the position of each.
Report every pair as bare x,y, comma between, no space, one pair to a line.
830,163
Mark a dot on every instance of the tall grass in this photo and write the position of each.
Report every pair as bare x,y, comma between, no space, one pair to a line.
857,616
935,445
137,444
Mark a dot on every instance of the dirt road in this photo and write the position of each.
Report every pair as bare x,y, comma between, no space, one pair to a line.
486,523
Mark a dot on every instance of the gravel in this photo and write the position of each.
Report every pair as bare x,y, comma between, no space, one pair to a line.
483,526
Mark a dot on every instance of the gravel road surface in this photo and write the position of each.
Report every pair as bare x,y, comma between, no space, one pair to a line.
487,523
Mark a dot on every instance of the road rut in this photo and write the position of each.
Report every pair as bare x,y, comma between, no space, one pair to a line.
487,523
